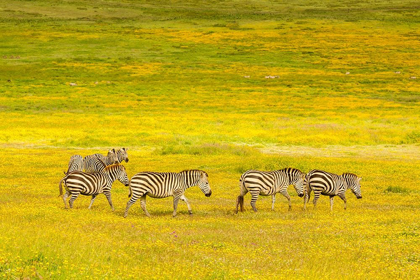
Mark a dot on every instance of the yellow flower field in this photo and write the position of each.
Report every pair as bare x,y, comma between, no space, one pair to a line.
224,87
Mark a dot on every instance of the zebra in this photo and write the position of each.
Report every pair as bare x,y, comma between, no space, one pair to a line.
75,164
160,185
122,155
269,183
79,182
330,184
94,163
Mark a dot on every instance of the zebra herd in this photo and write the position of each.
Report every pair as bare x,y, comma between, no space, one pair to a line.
95,174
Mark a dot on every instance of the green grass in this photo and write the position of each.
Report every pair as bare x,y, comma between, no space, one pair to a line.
183,85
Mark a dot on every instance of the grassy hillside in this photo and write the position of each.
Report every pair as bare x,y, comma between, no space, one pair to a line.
223,86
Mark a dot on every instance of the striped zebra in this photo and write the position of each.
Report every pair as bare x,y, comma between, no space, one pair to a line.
94,163
269,183
122,155
93,184
325,183
75,164
160,185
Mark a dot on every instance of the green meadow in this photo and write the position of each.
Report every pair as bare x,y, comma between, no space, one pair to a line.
221,86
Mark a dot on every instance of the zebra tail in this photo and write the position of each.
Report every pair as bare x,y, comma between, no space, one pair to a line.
60,187
129,195
240,201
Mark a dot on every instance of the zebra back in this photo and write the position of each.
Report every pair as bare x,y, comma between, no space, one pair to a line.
75,164
93,164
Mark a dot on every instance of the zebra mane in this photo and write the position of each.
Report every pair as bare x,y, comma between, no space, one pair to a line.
349,174
194,170
109,167
291,169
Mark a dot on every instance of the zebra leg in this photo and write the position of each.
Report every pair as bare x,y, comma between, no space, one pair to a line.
331,202
254,197
108,196
316,196
343,197
64,198
273,199
129,203
92,200
308,191
143,205
176,200
183,198
240,200
73,198
286,195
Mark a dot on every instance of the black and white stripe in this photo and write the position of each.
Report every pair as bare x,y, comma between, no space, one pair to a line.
78,182
75,164
122,155
160,185
269,183
330,184
95,163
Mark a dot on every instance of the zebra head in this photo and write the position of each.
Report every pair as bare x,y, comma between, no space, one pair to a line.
122,155
112,157
121,174
203,184
353,183
299,184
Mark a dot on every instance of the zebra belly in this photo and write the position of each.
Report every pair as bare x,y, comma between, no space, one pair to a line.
267,192
159,195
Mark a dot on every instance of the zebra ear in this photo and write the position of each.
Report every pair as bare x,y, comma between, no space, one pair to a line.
360,179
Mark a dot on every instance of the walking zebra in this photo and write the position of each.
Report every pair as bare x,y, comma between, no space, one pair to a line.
330,184
122,155
93,184
269,183
75,164
94,163
160,185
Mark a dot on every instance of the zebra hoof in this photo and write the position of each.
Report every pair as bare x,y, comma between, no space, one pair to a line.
190,212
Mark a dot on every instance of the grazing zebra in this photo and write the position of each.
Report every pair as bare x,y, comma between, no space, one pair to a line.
330,184
122,155
93,184
160,185
94,163
75,164
269,183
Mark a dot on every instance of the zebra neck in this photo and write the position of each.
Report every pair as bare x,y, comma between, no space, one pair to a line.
111,176
190,182
343,186
119,156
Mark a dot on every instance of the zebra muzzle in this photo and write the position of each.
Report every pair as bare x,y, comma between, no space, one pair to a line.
208,194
